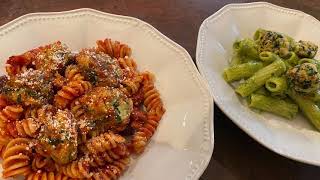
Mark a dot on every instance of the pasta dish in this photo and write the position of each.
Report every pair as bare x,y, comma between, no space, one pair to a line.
277,74
67,115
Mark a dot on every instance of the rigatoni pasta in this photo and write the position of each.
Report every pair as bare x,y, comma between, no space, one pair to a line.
277,74
79,115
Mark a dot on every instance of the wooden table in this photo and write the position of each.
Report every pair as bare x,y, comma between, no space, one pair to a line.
236,155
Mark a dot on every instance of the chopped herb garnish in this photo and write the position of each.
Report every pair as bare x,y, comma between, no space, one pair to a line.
19,100
92,76
54,141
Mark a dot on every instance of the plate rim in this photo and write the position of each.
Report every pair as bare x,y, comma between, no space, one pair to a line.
199,60
196,170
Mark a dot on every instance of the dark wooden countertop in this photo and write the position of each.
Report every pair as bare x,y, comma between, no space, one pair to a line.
236,155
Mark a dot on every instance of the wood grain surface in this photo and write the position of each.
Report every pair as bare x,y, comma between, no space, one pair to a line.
236,155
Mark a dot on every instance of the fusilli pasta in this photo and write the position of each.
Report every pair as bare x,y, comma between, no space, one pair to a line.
27,127
16,158
10,113
43,175
104,142
42,163
114,48
111,171
76,169
71,91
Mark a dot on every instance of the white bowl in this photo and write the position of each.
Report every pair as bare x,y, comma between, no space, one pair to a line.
295,139
183,143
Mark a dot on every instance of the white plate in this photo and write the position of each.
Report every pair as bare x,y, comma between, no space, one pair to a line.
295,139
183,143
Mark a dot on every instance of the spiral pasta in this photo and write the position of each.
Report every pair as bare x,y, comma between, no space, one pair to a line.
16,158
133,85
152,100
4,138
27,127
40,162
18,64
10,113
44,175
3,101
2,149
76,109
76,169
71,91
111,171
73,73
109,156
113,48
104,142
129,65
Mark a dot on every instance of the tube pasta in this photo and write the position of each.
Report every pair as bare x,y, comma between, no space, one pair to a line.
260,77
277,85
268,57
274,105
241,71
308,108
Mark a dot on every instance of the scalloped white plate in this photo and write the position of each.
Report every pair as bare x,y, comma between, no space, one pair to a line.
295,139
183,143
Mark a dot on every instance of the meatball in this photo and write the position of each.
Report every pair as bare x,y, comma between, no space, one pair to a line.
107,108
274,42
32,87
304,78
58,135
52,58
305,49
99,68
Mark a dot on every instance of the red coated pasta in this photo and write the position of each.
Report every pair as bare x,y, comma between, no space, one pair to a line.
73,73
10,113
111,171
104,142
44,175
71,91
113,48
109,156
16,158
76,169
27,127
42,163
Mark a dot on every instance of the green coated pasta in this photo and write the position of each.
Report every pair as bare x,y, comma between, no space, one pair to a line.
277,74
235,60
277,85
274,105
246,48
293,59
259,78
308,108
268,57
241,71
262,91
316,97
